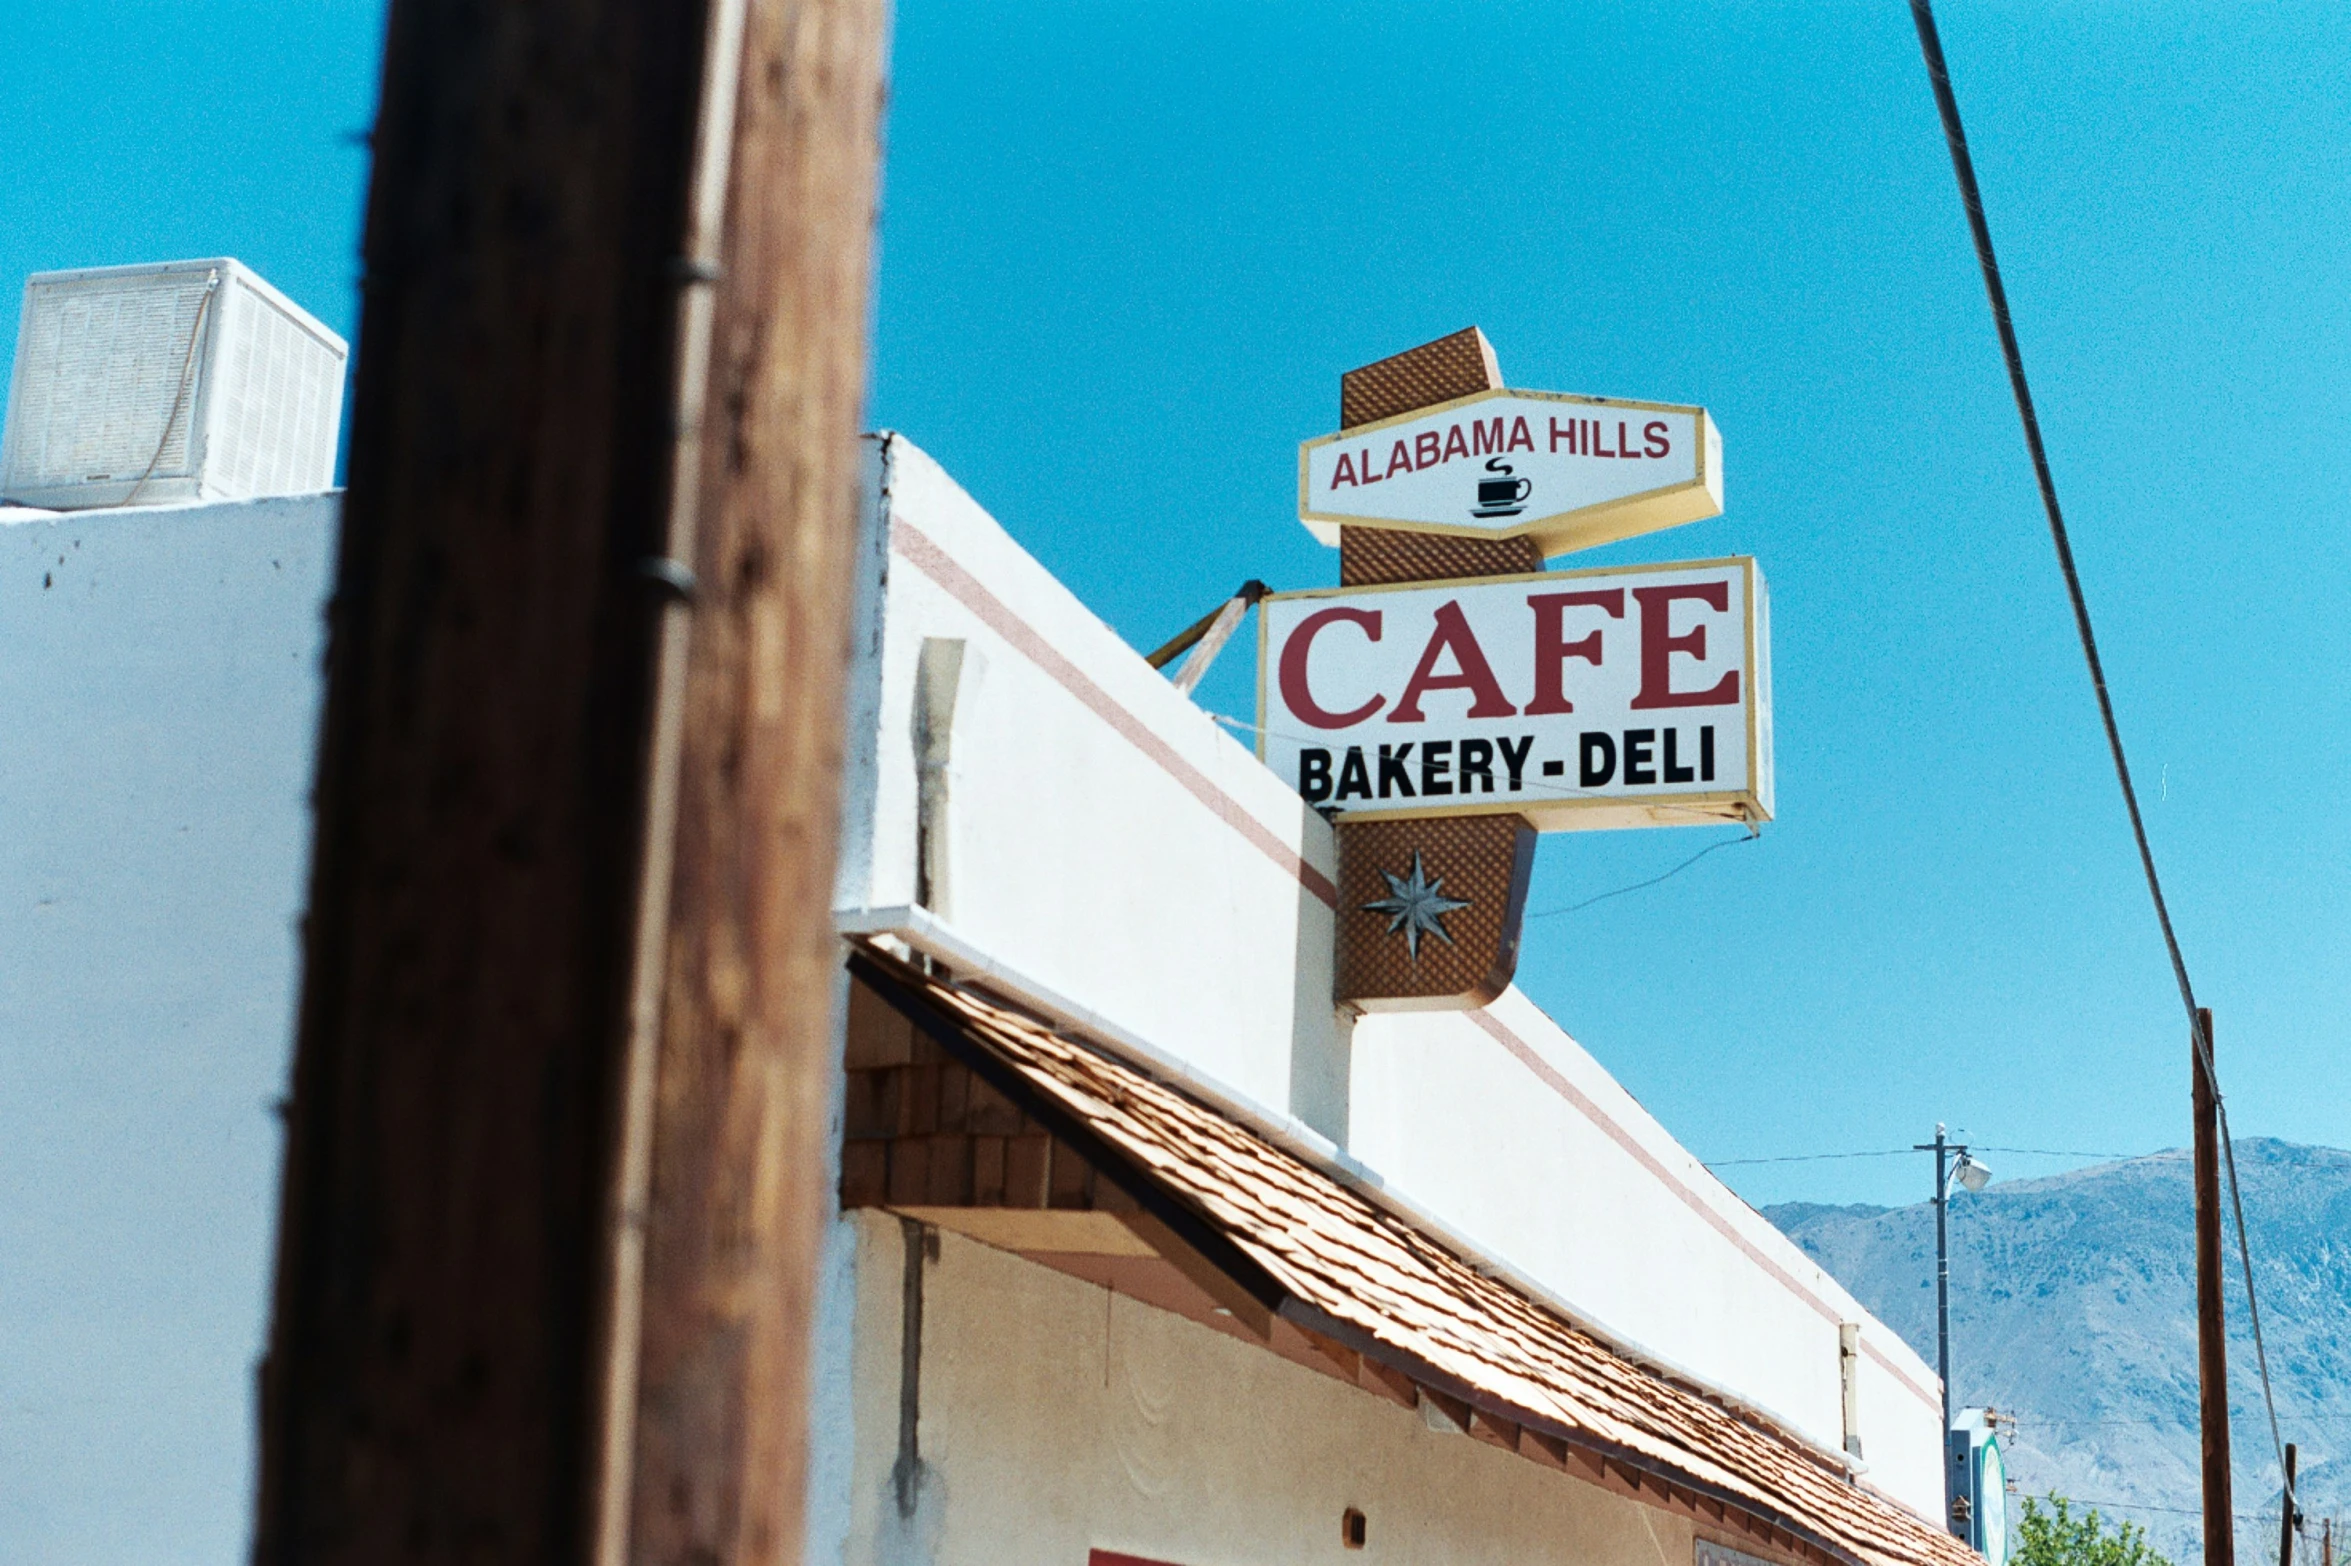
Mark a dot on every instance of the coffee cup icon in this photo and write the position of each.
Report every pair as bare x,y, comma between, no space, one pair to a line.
1503,497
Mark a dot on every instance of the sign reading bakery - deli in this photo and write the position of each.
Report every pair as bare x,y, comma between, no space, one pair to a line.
1637,697
1569,472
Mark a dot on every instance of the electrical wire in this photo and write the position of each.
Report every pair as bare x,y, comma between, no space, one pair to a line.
1904,1152
2149,1506
1810,1158
179,398
2155,1424
1930,44
1727,842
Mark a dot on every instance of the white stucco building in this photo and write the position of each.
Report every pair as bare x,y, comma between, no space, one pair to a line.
1146,1251
1149,1251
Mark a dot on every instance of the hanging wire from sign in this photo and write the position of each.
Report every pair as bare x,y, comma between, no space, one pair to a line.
1930,44
1809,1158
1639,886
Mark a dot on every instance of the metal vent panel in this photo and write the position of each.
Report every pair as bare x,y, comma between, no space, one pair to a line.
180,381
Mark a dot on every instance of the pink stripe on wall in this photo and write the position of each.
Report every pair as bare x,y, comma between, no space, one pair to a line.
1550,1077
966,589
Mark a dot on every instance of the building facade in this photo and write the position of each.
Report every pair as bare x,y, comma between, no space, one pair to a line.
1145,1250
1149,1251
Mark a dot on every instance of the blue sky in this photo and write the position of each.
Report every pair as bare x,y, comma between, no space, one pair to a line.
1125,252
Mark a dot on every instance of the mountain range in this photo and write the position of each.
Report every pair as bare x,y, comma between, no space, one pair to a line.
2073,1312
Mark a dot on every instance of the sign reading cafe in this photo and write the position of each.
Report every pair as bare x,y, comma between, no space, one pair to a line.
1454,699
1608,698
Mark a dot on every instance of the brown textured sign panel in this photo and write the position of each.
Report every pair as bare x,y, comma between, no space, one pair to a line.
1481,863
1373,557
1450,367
1429,911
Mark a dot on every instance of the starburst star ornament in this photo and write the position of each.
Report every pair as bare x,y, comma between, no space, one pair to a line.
1413,905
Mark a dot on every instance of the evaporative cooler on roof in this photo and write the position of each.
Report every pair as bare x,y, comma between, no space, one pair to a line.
188,380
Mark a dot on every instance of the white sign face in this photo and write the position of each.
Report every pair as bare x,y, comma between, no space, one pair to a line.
1631,697
1571,472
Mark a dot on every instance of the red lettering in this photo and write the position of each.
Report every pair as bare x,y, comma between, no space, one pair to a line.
1295,694
1398,459
1427,448
1346,473
1553,649
1557,433
1658,645
1520,437
1482,439
1472,673
1653,437
1455,446
1622,449
1364,472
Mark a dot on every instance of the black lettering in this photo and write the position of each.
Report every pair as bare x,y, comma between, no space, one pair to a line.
1314,775
1392,770
1706,754
1516,760
1597,757
1675,772
1354,777
1554,768
1436,759
1640,750
1477,761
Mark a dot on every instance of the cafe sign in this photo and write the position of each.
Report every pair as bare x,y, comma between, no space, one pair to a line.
1578,699
1569,472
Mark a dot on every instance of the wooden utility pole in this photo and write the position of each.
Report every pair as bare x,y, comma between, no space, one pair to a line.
2288,1519
554,1145
2212,1353
737,1102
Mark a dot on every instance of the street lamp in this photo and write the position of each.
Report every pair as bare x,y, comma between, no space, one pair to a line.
1971,1176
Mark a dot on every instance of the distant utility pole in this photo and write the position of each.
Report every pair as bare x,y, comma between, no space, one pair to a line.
2289,1519
1974,1177
554,1148
2212,1351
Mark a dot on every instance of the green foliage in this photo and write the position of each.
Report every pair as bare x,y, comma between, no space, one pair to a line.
2051,1535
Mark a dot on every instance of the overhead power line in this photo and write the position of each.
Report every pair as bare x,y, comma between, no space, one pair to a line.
1930,44
1904,1152
1808,1158
2150,1506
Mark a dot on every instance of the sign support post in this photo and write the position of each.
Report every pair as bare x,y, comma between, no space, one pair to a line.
1405,870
